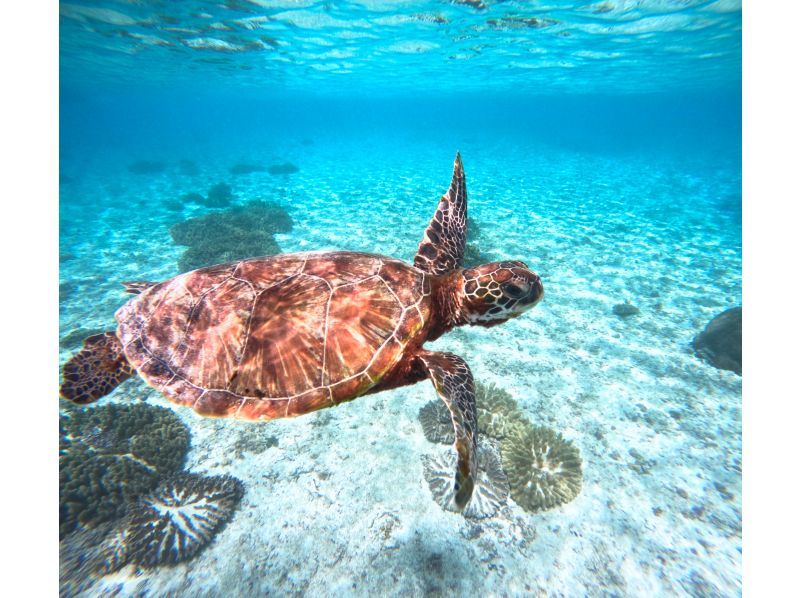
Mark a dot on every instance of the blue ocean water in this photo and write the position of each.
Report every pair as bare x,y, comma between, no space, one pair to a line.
601,144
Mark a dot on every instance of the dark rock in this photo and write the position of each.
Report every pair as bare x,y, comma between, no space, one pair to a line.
286,168
720,344
625,310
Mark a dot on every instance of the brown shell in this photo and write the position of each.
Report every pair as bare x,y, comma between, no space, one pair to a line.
276,336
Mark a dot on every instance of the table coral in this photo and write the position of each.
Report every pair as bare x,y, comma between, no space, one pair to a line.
544,469
491,487
498,413
437,423
173,523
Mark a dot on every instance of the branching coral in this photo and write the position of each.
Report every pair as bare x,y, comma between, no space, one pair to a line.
543,469
241,232
173,523
112,454
491,488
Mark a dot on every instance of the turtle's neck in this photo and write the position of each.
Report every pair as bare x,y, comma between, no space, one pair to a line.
448,299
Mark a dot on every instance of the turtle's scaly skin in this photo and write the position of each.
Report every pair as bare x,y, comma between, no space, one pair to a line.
276,336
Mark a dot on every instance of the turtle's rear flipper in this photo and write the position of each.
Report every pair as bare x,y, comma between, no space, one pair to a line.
96,370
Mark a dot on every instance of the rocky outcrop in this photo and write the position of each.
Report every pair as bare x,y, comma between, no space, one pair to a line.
720,344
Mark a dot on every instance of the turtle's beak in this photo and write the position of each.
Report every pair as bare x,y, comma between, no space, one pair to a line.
535,293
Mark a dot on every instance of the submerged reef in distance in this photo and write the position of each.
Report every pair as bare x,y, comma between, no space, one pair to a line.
146,167
539,468
238,233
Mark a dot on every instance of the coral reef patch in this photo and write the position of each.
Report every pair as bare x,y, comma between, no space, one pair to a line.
720,344
538,467
285,168
238,233
110,455
543,469
491,487
246,168
173,523
219,196
188,167
146,167
473,255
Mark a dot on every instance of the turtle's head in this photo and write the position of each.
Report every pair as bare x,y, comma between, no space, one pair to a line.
496,292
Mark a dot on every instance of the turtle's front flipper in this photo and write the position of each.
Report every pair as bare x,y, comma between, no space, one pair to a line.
442,247
453,381
96,370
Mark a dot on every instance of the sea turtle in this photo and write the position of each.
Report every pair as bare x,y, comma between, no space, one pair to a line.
288,334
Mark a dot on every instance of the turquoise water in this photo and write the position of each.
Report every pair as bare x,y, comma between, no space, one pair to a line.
602,146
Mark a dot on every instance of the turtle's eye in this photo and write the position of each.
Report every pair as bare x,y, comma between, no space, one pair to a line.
513,290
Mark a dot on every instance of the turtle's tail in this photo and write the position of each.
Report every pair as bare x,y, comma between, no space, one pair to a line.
96,370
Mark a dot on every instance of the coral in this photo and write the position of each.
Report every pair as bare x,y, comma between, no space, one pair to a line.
146,167
498,413
112,454
246,168
174,522
491,488
219,196
543,469
720,343
238,233
79,560
286,168
437,423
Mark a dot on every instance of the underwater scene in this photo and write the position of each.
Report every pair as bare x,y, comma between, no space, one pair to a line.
510,230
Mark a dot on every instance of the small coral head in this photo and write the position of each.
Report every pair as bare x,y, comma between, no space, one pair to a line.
496,292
